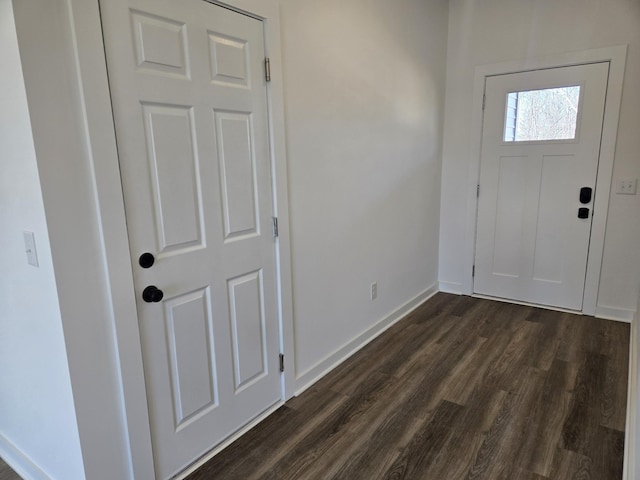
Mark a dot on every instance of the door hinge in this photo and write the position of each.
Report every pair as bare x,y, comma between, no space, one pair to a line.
484,100
275,226
282,362
267,69
478,190
473,271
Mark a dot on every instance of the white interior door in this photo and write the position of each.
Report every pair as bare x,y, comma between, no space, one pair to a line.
190,107
540,149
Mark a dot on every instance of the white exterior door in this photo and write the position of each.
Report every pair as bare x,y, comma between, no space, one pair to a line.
539,161
190,105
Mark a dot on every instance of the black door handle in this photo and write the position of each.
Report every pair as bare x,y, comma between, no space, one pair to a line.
146,260
583,213
585,195
152,294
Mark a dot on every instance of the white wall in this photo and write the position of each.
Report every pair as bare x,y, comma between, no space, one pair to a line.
37,416
364,89
494,31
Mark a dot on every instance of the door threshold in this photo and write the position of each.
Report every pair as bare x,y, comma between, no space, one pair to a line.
526,304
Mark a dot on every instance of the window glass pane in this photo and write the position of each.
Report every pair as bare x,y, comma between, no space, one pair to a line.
548,114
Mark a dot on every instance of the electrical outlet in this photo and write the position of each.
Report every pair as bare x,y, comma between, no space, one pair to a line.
627,186
374,290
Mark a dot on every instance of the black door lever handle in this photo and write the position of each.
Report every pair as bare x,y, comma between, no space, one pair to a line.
585,195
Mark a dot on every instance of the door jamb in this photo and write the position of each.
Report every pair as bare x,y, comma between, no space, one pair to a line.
616,56
97,113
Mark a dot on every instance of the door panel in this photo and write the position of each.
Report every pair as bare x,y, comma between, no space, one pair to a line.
531,246
174,183
247,326
511,203
229,60
190,108
189,327
547,263
160,44
237,166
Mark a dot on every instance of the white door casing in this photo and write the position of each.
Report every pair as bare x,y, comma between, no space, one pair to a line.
189,101
530,245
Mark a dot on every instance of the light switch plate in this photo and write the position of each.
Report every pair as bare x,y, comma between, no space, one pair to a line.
627,186
30,248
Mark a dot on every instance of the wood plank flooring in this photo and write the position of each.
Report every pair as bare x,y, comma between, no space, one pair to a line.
6,473
462,388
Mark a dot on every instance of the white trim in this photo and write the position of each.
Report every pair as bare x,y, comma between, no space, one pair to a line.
614,313
19,462
451,287
616,55
323,367
631,468
103,156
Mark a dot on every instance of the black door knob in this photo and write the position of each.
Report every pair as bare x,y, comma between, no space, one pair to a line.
152,294
146,260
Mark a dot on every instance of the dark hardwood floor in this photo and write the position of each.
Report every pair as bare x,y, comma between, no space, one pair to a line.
6,473
462,388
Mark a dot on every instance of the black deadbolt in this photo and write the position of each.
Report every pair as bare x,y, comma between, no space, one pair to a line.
585,195
146,260
583,213
152,294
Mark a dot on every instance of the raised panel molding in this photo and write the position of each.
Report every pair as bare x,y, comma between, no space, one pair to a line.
192,356
234,131
173,166
160,45
229,60
247,318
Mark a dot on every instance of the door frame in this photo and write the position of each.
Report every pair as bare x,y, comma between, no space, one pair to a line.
616,56
85,30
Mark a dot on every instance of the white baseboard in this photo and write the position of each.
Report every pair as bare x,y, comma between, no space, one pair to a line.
319,370
631,469
450,287
614,313
19,462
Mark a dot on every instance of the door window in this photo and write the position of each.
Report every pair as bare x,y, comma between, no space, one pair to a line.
538,115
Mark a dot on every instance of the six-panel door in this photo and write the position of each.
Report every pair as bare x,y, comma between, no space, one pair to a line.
190,107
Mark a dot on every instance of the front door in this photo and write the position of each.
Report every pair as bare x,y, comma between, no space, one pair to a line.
539,161
190,106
